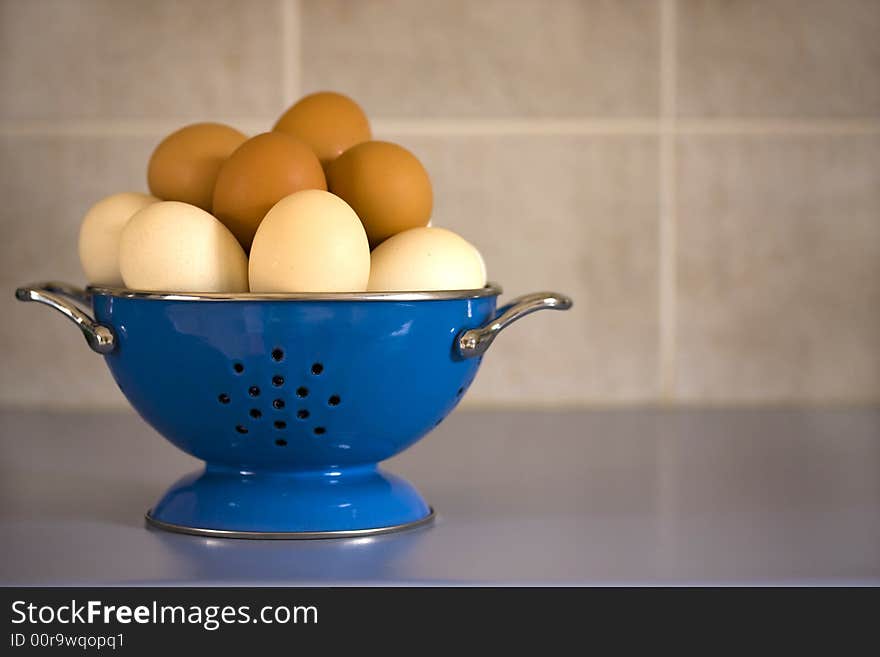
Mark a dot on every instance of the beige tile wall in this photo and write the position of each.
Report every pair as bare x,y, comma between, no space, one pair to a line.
702,176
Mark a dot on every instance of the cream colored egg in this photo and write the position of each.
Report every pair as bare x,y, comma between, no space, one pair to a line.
177,247
426,259
99,236
310,241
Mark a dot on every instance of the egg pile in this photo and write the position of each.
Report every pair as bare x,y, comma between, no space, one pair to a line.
315,205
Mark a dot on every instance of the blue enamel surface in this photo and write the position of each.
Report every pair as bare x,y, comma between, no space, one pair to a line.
332,500
276,396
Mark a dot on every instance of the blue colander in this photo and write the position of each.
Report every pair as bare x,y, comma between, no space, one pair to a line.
291,400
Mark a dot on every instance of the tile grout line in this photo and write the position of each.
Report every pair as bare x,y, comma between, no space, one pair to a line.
470,127
667,237
667,246
746,127
290,64
121,406
296,46
119,127
467,127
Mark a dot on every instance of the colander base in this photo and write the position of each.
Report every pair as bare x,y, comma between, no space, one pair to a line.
331,503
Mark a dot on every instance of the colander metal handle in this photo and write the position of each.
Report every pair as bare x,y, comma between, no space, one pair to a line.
99,337
78,294
474,342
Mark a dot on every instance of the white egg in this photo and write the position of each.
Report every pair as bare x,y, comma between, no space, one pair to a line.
310,241
177,247
426,258
99,235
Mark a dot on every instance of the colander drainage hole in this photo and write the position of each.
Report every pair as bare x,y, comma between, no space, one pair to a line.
280,424
277,355
278,404
223,398
241,429
302,414
254,391
460,390
256,413
334,400
302,392
238,367
281,442
277,380
317,368
320,431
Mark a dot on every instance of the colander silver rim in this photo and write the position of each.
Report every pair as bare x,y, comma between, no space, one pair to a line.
490,290
309,535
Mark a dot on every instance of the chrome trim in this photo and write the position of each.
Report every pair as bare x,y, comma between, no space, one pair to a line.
100,338
70,291
474,342
489,290
227,533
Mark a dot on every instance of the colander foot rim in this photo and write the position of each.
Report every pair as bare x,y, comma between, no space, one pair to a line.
341,533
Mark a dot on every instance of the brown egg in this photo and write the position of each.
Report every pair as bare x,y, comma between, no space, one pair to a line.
328,122
386,185
261,172
184,165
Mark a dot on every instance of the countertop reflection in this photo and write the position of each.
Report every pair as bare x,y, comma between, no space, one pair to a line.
599,497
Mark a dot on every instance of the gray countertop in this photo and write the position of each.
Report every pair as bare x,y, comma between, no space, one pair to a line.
602,497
